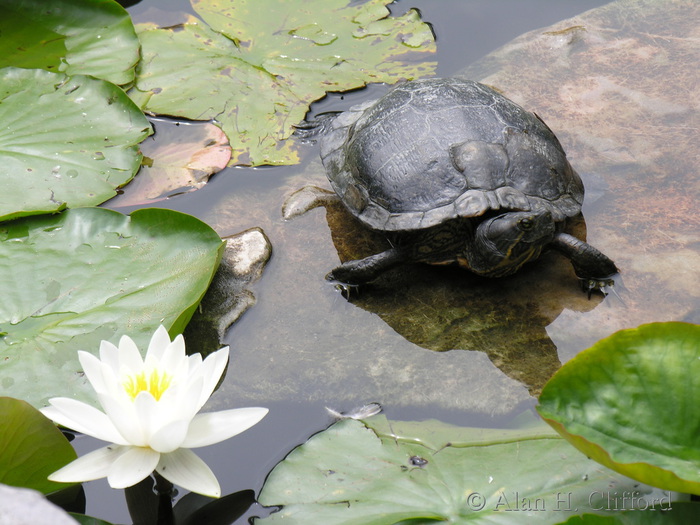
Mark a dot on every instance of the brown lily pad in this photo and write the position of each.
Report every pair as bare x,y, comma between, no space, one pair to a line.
179,158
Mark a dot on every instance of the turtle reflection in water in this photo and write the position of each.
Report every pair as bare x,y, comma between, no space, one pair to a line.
453,172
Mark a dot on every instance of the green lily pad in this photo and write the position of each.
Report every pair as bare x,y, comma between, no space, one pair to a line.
631,403
680,513
74,279
256,65
65,141
76,37
88,520
382,472
31,447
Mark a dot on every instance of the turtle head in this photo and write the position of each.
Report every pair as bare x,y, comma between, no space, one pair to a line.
502,244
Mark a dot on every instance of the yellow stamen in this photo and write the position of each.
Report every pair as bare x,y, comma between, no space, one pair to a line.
156,383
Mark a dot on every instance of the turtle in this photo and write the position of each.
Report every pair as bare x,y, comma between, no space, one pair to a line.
453,172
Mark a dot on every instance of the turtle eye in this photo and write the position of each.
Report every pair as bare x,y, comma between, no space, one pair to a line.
526,224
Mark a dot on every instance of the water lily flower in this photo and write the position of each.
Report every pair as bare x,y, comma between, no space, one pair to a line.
150,414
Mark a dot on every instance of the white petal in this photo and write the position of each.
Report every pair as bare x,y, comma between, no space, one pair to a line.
122,414
189,403
94,465
212,368
212,427
194,369
159,342
109,355
113,384
169,437
178,345
195,361
185,469
92,367
217,360
171,406
129,355
174,359
148,414
84,418
132,466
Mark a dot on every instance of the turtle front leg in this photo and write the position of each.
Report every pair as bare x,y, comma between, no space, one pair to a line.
364,270
594,268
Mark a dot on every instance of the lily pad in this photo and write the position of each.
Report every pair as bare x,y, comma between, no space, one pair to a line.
256,65
178,158
382,472
88,520
65,141
631,403
86,37
31,447
681,513
74,279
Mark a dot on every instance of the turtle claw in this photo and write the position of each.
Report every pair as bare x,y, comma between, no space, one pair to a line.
603,285
592,285
346,289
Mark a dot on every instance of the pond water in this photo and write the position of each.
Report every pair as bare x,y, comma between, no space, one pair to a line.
425,343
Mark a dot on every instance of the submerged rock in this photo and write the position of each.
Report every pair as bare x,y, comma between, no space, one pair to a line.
617,86
443,309
614,84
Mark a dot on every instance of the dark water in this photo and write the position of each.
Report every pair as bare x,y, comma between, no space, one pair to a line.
465,30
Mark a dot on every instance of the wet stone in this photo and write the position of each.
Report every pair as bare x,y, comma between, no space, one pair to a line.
229,296
20,506
617,87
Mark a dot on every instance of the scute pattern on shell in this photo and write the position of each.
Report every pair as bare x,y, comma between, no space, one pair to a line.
433,150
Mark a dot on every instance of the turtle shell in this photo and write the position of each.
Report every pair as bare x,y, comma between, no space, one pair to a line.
436,149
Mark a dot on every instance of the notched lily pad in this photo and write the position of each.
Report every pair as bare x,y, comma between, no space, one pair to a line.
64,142
630,403
382,472
76,37
71,280
255,67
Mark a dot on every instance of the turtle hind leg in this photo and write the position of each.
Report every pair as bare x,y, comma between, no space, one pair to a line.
593,267
361,271
305,199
